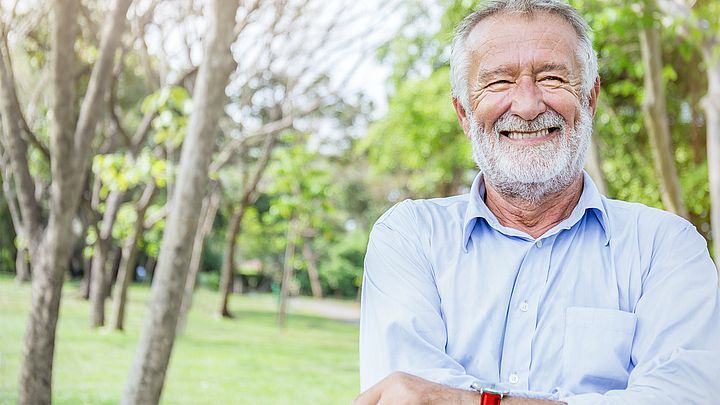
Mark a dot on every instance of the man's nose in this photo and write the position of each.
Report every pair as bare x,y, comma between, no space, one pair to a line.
527,100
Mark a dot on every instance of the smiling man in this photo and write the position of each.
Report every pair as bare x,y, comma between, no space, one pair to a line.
533,288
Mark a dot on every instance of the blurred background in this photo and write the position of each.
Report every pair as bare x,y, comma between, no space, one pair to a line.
138,145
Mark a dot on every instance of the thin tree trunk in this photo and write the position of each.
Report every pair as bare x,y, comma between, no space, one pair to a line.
150,264
124,277
248,197
69,151
209,212
228,267
287,271
711,105
112,268
147,375
594,166
313,273
656,118
15,149
99,266
129,256
89,220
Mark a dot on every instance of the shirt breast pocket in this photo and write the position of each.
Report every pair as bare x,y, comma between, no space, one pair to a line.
596,353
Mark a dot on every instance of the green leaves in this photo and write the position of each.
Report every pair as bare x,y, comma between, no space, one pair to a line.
120,172
172,105
420,139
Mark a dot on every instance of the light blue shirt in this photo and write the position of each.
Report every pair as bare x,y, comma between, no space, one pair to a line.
617,304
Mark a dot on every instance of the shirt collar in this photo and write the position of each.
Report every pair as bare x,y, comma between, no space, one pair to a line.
590,200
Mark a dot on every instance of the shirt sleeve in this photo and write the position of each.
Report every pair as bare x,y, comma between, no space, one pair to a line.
401,323
676,349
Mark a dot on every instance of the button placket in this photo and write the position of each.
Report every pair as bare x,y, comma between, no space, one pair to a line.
522,318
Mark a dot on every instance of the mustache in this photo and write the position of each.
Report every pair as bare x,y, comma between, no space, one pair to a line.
509,122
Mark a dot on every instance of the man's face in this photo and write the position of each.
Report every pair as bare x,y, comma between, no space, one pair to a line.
529,122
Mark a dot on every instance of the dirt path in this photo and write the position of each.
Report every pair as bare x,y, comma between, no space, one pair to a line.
347,311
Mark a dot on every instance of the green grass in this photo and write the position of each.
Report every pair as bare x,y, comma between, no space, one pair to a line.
245,360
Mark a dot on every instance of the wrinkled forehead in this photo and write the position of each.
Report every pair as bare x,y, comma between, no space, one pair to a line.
520,41
517,33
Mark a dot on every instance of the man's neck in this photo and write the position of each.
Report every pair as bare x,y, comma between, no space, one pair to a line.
533,218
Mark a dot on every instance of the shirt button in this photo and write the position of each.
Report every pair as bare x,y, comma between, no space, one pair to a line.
514,378
538,243
524,306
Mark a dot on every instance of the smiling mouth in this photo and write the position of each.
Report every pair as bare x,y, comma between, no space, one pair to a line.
516,135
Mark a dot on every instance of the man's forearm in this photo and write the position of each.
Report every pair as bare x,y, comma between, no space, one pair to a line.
403,388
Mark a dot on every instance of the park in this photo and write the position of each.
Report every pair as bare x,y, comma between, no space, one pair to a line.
189,186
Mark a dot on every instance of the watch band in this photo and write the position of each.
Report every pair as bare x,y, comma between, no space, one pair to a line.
489,396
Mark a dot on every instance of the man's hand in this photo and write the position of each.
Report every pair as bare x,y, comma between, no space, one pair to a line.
405,389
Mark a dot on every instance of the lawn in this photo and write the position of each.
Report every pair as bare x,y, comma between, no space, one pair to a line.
245,360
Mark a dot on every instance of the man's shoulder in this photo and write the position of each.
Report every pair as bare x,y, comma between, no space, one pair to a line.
625,215
415,212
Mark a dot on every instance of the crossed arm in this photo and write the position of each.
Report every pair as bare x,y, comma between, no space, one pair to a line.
405,389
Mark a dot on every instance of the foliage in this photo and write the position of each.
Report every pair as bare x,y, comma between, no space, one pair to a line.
420,140
342,270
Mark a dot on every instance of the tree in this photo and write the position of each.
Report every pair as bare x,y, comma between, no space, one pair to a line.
49,244
655,112
302,190
700,27
147,375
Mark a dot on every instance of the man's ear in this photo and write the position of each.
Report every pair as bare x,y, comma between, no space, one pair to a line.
462,115
594,94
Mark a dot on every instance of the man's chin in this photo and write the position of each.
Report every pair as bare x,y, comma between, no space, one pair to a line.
533,189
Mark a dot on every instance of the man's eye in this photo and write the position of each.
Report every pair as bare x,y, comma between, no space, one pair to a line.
552,79
498,83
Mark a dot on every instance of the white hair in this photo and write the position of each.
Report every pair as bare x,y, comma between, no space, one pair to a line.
459,56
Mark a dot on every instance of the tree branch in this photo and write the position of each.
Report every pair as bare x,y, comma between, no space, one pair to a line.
89,112
16,146
270,128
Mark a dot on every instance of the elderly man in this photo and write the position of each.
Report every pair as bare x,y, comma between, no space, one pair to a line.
534,288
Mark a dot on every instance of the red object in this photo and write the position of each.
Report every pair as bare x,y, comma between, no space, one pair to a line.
490,398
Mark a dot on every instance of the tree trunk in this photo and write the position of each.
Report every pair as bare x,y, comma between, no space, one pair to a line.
711,105
85,281
209,211
69,155
15,149
656,118
594,166
147,375
124,277
150,264
47,281
99,269
22,266
129,256
287,271
228,267
313,273
248,197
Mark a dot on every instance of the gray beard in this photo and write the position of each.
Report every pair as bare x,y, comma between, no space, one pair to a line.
533,172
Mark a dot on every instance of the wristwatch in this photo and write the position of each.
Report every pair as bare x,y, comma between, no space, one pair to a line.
489,396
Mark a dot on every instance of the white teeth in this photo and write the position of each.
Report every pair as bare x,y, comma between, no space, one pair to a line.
527,135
